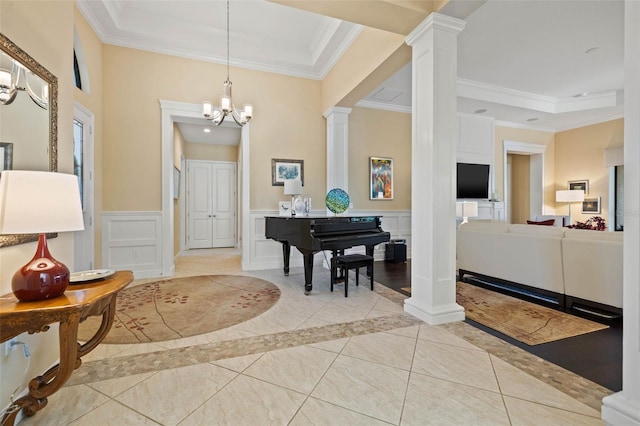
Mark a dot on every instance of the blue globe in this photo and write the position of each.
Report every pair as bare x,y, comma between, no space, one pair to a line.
337,200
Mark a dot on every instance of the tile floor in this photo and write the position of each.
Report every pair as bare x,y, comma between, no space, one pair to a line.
321,359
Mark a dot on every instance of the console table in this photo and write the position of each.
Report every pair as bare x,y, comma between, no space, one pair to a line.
68,310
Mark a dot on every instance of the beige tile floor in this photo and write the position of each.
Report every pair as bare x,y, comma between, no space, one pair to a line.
321,359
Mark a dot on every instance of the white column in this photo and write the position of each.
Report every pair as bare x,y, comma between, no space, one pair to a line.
337,148
623,408
434,135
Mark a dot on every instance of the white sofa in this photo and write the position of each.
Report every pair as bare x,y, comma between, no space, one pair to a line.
572,268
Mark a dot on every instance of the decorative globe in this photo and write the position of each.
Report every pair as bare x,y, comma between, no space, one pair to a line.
337,200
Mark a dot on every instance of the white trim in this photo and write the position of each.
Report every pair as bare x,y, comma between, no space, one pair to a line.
87,117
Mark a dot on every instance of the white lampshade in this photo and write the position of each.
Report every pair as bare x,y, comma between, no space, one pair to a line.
466,209
570,196
39,202
292,187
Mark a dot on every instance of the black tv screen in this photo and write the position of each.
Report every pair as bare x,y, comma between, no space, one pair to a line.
473,180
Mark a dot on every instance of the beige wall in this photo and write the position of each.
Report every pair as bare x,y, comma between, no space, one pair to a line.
379,133
44,30
579,156
288,123
547,139
209,152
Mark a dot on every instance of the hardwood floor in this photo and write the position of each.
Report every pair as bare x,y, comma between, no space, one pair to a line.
595,356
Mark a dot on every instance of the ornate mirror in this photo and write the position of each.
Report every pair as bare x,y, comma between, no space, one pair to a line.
28,118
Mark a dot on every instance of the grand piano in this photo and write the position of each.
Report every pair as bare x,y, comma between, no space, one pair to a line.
311,234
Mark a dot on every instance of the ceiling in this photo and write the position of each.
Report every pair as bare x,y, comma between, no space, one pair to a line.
536,64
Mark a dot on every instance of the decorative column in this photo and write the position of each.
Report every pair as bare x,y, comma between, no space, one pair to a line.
337,148
434,136
623,408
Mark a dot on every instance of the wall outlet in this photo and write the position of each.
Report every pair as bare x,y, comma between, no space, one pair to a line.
10,346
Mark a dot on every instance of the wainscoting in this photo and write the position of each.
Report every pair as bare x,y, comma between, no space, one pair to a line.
133,241
267,254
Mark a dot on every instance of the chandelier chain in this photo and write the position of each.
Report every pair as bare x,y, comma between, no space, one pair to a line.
227,40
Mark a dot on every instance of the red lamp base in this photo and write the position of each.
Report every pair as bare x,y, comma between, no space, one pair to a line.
42,278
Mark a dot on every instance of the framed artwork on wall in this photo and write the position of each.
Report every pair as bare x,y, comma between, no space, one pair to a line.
591,205
6,156
579,185
282,170
380,178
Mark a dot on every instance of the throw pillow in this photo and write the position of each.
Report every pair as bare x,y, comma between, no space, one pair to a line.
548,222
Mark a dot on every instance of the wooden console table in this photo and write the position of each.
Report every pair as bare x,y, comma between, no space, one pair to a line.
77,303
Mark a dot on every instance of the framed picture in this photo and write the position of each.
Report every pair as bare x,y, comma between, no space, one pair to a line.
579,184
284,208
380,178
282,170
6,156
176,183
591,205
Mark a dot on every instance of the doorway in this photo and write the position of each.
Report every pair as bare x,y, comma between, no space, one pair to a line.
536,161
83,168
211,201
173,112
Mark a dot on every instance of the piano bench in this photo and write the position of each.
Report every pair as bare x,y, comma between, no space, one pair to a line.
350,261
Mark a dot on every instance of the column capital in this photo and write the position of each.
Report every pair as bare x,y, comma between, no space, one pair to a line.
336,110
435,21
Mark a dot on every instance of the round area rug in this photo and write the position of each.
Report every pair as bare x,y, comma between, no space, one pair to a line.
183,307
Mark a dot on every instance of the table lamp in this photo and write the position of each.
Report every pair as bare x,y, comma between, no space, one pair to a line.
38,203
466,209
293,188
570,196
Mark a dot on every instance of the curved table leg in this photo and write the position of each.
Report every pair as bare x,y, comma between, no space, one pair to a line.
41,387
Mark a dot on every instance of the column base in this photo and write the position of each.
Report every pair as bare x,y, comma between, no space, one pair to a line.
619,410
441,315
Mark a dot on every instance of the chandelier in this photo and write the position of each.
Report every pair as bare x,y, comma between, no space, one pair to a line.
226,102
18,79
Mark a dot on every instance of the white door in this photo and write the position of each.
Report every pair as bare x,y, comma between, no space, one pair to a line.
210,204
83,168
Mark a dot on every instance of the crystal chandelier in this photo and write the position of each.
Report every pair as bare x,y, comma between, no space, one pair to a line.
226,102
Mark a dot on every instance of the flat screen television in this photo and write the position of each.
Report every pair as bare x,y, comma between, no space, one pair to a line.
473,180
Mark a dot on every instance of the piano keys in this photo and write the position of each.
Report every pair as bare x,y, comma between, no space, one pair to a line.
311,234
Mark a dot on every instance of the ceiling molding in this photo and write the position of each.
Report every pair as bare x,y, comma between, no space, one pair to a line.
549,104
384,106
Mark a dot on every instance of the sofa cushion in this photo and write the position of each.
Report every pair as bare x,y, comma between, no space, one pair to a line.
547,231
485,226
548,222
588,234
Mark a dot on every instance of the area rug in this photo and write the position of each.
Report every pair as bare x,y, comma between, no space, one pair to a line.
524,321
183,307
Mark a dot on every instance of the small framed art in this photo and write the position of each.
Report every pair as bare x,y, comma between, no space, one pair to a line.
591,205
579,185
380,178
282,170
6,156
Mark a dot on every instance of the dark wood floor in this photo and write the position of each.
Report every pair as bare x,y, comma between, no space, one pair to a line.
595,356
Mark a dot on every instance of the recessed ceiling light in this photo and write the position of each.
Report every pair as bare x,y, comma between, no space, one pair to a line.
532,119
207,130
480,111
581,95
590,51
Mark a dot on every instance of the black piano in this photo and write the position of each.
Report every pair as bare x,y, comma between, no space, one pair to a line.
311,234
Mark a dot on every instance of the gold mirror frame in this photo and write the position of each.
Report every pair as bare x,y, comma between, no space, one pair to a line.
32,65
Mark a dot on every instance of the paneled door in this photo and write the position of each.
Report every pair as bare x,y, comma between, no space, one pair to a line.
83,168
211,204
